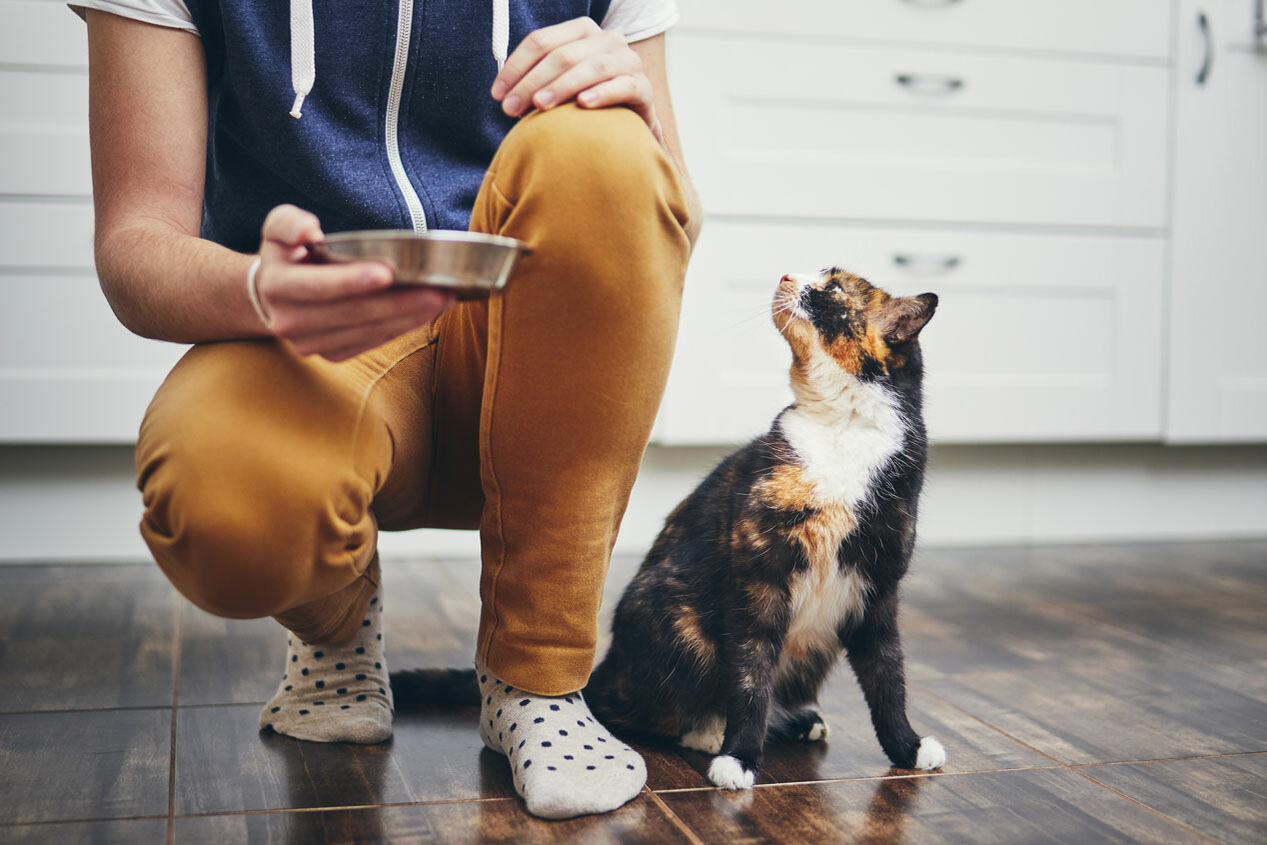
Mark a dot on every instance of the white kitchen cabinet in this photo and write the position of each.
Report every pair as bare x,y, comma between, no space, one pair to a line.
815,129
1218,350
1037,336
1138,29
1010,155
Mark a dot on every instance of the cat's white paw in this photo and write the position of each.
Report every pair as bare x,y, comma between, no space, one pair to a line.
729,773
817,732
931,754
707,737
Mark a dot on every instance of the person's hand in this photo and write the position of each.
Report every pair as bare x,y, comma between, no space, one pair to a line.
333,310
575,60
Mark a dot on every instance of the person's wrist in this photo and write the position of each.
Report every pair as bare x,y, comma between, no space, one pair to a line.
253,293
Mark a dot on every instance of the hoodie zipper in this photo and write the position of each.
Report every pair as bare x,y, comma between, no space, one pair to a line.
404,23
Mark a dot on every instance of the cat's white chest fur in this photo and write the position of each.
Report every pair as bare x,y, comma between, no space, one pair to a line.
843,444
841,448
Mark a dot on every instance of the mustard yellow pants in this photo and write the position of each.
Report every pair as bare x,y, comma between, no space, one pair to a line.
266,476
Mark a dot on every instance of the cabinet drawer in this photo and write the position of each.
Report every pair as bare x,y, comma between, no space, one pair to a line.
1036,338
1134,28
811,130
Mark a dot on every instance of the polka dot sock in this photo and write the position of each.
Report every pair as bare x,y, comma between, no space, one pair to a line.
335,693
564,762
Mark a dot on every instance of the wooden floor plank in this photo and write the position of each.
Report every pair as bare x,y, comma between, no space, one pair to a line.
1222,797
225,764
92,636
114,832
1091,654
503,820
1124,712
1008,807
97,764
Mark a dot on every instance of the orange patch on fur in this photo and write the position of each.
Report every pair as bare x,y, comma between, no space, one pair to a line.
689,632
785,489
766,600
820,536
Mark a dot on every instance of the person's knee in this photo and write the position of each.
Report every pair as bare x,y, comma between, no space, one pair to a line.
607,151
238,535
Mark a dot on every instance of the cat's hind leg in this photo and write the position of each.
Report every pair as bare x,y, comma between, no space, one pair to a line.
706,735
796,726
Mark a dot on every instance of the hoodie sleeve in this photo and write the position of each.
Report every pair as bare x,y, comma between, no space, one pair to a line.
169,13
639,19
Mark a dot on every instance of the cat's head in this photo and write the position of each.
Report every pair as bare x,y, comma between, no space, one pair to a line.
838,321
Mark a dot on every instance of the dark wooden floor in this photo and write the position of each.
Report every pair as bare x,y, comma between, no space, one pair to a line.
1090,694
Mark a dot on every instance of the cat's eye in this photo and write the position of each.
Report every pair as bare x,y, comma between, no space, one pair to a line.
832,285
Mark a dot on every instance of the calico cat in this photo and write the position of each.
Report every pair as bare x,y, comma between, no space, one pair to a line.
789,552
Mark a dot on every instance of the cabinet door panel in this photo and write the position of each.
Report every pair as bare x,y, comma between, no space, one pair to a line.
1218,372
808,129
1136,28
1037,337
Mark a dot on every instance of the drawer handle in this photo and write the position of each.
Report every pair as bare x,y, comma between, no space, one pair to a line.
927,264
1204,73
931,2
925,83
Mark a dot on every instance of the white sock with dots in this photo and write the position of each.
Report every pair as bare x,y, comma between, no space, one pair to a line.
564,762
335,693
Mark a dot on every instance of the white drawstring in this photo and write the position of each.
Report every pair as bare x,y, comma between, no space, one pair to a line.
501,31
303,66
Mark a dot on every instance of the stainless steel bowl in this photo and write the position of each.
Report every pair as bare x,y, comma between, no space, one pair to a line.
472,264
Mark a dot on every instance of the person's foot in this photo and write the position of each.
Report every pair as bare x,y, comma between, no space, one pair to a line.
564,762
335,693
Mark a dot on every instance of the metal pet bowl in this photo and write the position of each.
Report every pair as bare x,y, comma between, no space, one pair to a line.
470,263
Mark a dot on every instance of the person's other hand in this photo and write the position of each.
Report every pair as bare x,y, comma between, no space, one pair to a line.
333,310
575,60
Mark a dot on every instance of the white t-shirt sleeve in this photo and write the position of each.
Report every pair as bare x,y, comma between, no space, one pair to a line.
639,19
171,13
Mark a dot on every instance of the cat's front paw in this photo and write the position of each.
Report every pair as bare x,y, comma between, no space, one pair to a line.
931,754
729,773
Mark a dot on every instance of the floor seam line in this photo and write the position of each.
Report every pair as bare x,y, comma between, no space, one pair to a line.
335,808
171,760
677,822
1139,803
925,690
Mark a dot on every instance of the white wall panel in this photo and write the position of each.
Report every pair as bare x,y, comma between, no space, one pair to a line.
69,372
42,32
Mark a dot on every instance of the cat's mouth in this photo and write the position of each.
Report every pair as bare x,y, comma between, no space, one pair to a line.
787,301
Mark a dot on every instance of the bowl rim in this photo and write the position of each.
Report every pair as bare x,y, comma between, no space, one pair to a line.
429,236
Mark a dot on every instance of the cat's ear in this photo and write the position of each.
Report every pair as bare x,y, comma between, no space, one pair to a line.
904,317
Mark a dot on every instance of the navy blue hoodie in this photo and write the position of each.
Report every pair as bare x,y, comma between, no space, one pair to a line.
336,160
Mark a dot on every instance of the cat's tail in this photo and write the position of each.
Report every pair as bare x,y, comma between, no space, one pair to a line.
413,689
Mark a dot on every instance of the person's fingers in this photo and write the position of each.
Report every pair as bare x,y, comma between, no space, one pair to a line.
532,49
287,227
632,91
316,283
296,321
573,75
